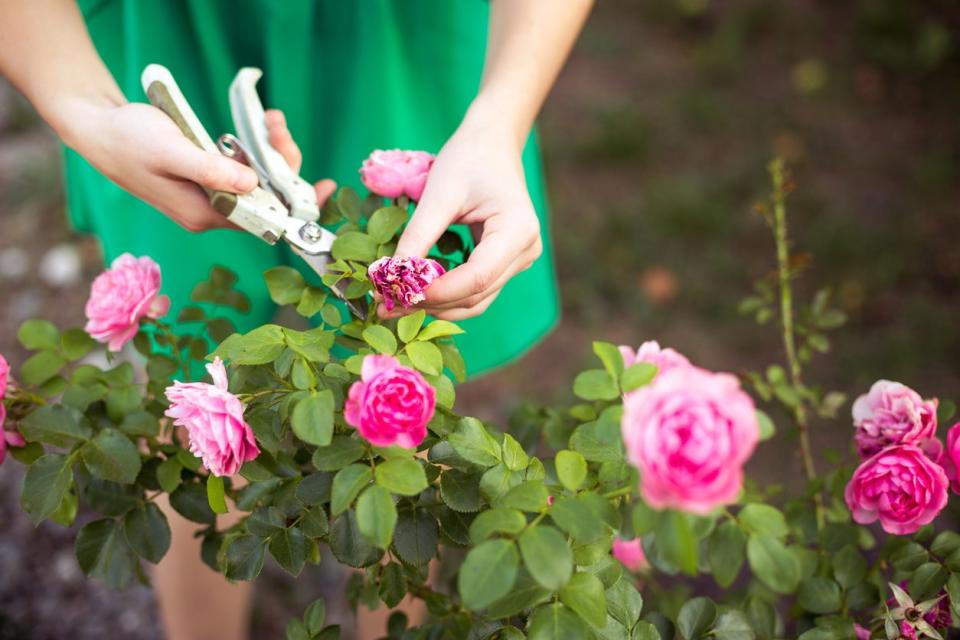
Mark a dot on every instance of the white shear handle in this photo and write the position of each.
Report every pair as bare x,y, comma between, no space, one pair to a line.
248,118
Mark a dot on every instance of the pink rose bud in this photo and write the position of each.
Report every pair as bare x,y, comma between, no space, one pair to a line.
689,433
651,352
214,421
390,404
900,486
890,414
630,554
396,173
860,632
122,295
402,281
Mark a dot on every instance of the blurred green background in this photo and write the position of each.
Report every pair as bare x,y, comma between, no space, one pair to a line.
656,140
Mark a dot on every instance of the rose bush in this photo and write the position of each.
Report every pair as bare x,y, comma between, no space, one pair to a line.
602,518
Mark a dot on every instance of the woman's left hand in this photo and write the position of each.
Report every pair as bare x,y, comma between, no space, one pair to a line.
478,180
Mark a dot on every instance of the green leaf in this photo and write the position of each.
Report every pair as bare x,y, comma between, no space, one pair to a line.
38,334
773,563
528,496
849,566
584,594
76,343
514,457
260,346
312,418
438,329
598,441
624,602
348,544
312,301
555,622
460,490
244,557
147,532
169,474
547,556
341,451
385,222
376,515
696,617
767,428
762,519
111,456
346,485
409,326
496,520
45,485
190,501
393,584
611,358
487,573
285,285
402,475
497,481
733,625
102,550
927,581
571,469
289,548
349,203
415,540
725,553
576,518
381,339
472,442
354,245
637,375
677,541
819,595
643,518
595,384
426,357
55,424
215,494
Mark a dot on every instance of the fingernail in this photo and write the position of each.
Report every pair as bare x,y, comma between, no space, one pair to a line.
246,179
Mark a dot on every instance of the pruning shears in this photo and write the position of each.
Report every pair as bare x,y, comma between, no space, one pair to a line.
284,206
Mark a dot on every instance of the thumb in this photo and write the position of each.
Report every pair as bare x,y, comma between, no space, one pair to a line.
185,160
430,219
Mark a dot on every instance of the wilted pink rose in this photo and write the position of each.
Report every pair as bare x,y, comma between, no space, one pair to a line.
892,413
907,631
900,486
121,296
689,432
651,352
630,553
390,404
396,173
402,281
938,616
214,421
861,632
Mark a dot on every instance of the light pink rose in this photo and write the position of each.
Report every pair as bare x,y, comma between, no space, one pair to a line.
952,457
630,554
214,421
651,352
889,414
122,295
390,404
396,173
900,486
9,439
402,281
689,432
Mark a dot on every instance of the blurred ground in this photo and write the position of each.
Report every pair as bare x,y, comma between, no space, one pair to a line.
656,140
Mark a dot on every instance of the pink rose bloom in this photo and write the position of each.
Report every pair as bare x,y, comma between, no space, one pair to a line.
214,421
390,404
890,414
396,173
689,432
402,281
952,461
4,378
121,296
630,554
861,633
900,486
651,352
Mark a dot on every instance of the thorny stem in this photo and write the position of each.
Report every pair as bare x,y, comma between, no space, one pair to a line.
778,175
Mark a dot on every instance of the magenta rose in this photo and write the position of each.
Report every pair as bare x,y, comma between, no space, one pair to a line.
951,460
630,554
689,432
120,296
213,418
4,379
403,281
890,414
651,352
390,404
396,173
900,486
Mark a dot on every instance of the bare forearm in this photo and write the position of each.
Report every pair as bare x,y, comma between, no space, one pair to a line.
46,52
527,44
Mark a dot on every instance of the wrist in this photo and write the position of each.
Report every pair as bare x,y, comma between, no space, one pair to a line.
72,116
494,120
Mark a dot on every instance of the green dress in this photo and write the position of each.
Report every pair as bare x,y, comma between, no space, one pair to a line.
351,76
